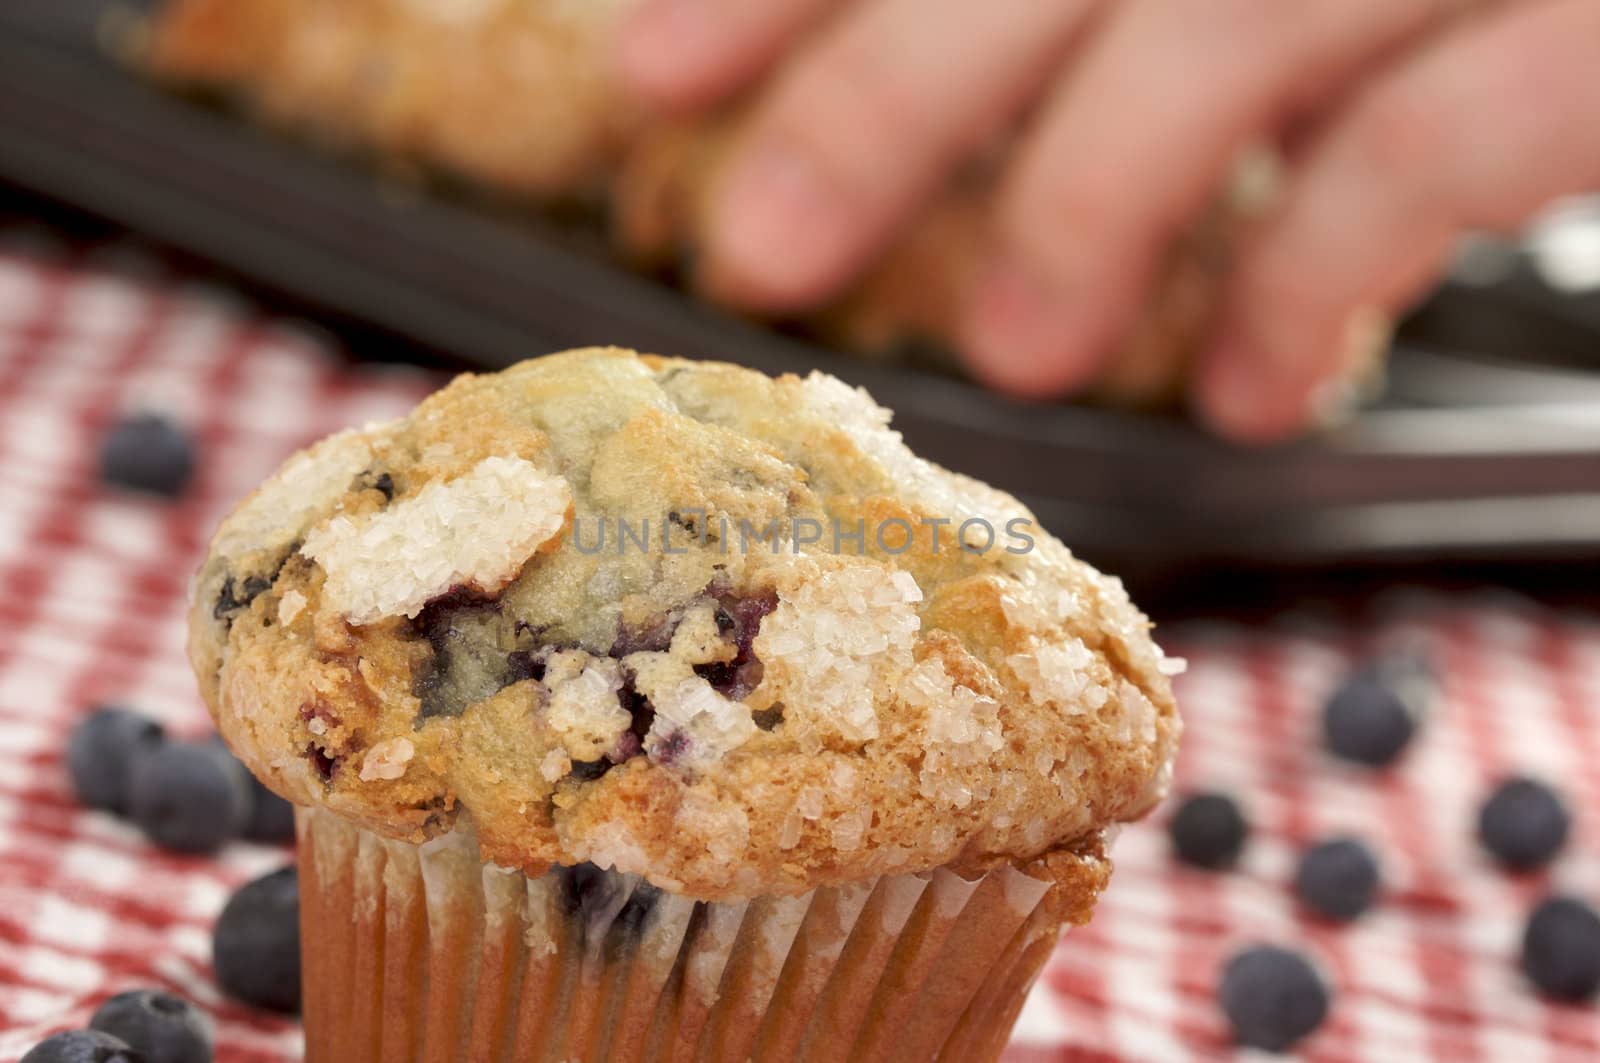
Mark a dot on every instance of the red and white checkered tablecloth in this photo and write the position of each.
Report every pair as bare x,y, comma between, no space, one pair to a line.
92,588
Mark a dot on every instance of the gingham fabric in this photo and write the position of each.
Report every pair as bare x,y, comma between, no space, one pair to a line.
92,586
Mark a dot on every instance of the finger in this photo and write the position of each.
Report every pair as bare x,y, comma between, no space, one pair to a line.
861,126
1135,144
682,54
1476,131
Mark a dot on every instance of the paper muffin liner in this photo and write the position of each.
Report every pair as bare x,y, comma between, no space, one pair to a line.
423,953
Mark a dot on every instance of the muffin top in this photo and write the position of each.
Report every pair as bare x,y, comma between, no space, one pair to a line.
680,619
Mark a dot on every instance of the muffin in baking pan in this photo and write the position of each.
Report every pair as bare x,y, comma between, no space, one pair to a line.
648,709
520,99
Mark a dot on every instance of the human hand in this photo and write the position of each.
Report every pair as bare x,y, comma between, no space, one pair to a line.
1404,122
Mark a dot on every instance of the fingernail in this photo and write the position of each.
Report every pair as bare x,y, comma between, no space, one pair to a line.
1357,374
778,233
1367,335
1333,402
1021,331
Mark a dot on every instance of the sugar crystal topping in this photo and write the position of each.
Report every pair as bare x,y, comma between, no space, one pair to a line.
583,712
477,530
810,802
1058,673
725,829
613,846
307,485
695,725
555,765
290,606
963,729
867,424
849,828
1125,624
387,759
1136,716
1035,602
700,722
839,638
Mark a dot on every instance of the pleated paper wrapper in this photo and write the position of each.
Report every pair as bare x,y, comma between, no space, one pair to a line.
425,954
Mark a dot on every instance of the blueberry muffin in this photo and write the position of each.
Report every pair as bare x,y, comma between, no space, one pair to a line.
638,708
515,96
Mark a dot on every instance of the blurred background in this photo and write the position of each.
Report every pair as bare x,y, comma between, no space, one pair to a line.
208,261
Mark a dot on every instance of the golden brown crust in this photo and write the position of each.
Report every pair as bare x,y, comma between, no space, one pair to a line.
390,628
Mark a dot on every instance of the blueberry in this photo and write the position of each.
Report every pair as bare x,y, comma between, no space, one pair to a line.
82,1046
589,770
236,596
255,947
1337,878
163,1027
270,818
1561,949
1273,997
740,619
1523,824
1373,714
637,910
188,796
147,452
100,750
1208,831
